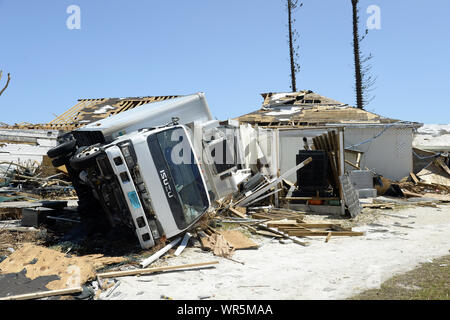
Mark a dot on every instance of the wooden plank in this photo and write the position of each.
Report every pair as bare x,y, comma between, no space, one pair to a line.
268,234
318,225
325,234
282,223
44,294
153,270
309,198
288,212
444,167
323,146
276,216
328,143
284,235
318,143
332,141
414,177
353,165
409,194
237,213
238,240
289,228
334,170
315,143
311,226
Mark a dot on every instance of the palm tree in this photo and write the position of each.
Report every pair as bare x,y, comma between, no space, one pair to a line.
357,53
363,79
293,38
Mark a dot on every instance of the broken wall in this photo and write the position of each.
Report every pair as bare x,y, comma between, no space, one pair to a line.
26,146
389,155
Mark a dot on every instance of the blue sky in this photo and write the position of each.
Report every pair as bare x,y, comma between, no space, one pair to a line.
231,50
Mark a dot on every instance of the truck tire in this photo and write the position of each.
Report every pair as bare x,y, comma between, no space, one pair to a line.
59,162
62,150
85,157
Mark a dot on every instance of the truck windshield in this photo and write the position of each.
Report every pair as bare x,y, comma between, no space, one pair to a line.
184,173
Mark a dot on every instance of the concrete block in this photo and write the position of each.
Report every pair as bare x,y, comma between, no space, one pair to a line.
367,193
33,217
361,179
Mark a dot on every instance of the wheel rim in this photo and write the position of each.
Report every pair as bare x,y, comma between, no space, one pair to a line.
87,152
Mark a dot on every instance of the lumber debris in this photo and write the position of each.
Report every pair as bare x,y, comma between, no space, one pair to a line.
44,294
147,271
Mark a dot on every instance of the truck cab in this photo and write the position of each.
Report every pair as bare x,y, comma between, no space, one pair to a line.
153,178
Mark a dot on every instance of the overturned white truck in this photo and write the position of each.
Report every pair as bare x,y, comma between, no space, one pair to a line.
155,168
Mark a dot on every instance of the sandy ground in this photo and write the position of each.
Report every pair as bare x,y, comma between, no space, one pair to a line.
335,270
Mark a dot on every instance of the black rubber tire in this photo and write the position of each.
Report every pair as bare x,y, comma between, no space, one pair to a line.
62,149
85,157
59,162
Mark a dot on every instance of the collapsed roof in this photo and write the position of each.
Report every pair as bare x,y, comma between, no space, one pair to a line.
90,110
306,108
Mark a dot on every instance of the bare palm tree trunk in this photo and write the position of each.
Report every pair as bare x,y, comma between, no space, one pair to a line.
291,48
357,53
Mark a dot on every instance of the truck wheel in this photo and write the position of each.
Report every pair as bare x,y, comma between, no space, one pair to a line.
62,149
85,157
59,162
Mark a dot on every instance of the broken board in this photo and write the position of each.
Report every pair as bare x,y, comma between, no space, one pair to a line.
238,240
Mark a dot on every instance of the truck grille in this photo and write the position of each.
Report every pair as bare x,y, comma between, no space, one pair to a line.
88,138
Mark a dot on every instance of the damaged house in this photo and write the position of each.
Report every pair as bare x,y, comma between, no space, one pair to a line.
371,141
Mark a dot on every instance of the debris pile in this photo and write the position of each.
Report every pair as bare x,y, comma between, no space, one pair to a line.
21,182
282,175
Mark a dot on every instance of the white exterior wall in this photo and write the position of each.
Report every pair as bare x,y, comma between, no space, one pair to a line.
22,153
389,155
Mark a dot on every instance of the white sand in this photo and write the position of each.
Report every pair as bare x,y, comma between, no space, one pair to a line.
335,270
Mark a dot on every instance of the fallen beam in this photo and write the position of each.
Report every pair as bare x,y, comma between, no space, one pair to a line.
160,253
309,198
237,213
325,233
153,270
284,235
44,294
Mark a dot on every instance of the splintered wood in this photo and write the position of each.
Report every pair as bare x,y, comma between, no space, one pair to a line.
218,245
278,214
316,230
